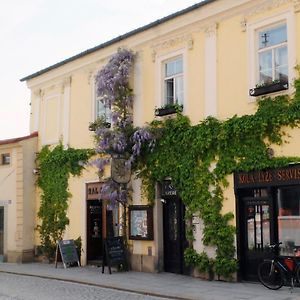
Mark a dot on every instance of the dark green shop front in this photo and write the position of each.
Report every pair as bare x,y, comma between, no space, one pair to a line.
268,211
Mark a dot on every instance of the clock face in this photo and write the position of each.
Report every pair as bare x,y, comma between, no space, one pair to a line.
120,171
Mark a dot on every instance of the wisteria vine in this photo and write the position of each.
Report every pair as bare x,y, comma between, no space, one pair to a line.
120,139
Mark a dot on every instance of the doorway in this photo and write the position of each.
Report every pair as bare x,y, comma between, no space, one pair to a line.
1,233
94,230
174,235
256,232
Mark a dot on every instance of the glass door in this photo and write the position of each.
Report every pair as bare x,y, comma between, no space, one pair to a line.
256,233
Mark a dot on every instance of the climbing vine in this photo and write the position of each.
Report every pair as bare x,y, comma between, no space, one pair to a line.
199,158
55,167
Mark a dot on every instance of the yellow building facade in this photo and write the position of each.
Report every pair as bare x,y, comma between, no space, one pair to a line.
17,200
211,58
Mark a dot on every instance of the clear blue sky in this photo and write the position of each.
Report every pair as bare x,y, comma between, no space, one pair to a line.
35,34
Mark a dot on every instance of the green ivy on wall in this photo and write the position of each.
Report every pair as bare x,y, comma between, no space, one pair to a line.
55,167
199,158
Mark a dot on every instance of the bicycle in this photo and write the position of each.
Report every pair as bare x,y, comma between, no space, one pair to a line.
274,273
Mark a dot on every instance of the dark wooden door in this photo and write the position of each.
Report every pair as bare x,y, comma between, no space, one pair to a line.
174,235
94,230
256,233
1,233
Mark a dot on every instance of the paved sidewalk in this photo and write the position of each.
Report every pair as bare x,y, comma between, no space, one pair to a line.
166,285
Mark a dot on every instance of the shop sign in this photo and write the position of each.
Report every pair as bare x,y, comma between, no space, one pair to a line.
93,190
167,189
282,176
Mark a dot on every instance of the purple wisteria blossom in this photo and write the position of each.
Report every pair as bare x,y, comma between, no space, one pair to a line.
112,81
140,138
113,192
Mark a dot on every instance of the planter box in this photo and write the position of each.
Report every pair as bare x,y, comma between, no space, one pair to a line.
159,112
271,88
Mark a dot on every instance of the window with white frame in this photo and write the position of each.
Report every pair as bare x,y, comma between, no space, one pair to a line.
272,54
173,81
102,110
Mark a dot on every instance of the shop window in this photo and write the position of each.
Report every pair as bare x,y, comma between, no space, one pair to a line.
288,203
5,159
173,81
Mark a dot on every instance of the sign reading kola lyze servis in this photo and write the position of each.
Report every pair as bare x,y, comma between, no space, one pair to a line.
68,252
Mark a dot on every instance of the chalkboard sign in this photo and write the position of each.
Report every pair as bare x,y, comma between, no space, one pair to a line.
68,252
114,253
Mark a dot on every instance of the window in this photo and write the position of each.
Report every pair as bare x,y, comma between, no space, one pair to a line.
5,159
288,203
102,110
272,54
173,81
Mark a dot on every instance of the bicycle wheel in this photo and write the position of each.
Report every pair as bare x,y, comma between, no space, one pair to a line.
270,275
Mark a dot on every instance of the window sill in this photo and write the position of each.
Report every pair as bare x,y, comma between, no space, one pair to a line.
268,89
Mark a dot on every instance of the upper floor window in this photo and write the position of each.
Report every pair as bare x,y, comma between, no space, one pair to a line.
102,110
173,81
272,55
5,159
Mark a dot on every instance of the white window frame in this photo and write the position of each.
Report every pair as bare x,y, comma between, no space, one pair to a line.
288,18
160,75
95,99
173,78
106,113
272,49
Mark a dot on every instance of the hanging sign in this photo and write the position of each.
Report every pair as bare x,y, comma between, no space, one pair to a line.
120,170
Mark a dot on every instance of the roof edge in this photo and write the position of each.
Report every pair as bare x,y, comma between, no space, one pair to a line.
119,38
18,139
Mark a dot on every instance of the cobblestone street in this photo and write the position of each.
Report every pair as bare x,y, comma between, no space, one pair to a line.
19,287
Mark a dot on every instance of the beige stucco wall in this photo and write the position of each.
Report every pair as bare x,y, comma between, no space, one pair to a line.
71,86
17,195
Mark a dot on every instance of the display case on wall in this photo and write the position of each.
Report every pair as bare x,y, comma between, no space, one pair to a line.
141,222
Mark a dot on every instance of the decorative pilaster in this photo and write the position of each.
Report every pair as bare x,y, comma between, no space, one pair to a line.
210,70
66,113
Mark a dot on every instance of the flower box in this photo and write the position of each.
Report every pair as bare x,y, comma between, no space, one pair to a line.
164,111
267,89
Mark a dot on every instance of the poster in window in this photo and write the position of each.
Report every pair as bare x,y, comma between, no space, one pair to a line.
141,222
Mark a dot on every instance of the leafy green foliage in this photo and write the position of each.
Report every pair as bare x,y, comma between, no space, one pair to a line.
199,158
55,168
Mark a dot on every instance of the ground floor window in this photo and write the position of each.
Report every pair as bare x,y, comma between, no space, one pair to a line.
288,219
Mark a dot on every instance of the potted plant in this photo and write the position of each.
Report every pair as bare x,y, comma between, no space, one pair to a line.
100,122
267,88
168,109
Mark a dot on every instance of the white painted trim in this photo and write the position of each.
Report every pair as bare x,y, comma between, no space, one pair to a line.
36,112
159,61
66,113
138,91
210,72
93,94
288,17
43,136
